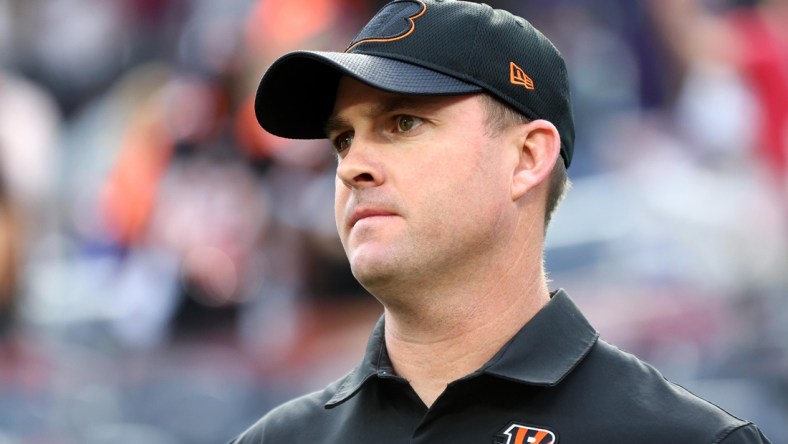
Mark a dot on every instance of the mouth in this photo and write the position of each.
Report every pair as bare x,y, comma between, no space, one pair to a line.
367,213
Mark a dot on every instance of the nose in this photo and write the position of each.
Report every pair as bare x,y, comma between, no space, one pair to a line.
360,167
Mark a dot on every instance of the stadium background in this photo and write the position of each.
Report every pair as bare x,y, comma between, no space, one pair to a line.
168,272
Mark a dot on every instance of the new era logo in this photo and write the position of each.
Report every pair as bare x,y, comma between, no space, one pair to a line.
522,434
518,77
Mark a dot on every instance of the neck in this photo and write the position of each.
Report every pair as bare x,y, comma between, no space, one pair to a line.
445,333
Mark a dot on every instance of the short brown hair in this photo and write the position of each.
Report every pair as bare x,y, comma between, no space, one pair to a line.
501,116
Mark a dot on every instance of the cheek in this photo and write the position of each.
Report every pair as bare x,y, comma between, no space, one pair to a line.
464,182
471,170
341,194
434,183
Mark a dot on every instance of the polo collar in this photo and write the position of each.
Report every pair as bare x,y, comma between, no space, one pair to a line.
542,353
376,363
548,347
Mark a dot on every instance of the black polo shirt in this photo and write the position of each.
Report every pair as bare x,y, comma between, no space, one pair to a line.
554,382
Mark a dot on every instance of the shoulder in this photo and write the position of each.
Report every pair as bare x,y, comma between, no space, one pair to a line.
747,434
636,397
293,420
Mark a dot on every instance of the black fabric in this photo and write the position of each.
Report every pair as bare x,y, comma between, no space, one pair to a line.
425,47
554,382
301,88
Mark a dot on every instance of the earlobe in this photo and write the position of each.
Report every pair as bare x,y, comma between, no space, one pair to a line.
539,148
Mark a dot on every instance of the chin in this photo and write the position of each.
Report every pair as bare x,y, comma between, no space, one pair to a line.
375,276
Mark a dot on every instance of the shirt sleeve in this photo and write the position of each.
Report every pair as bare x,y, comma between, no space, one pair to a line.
748,434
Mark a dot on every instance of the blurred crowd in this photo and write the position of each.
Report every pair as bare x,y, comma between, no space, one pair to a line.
168,271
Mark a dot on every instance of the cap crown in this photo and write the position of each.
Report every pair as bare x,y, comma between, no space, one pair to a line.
492,48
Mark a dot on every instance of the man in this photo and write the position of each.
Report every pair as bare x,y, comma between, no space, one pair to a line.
452,125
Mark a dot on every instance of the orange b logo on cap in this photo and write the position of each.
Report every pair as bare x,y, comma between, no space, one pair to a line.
394,22
518,77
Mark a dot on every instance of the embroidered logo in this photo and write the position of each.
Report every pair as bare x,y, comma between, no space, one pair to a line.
394,22
515,433
518,77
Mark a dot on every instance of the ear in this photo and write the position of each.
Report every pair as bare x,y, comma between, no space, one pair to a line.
539,148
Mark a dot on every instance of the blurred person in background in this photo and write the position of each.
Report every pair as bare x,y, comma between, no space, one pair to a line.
30,126
735,61
10,237
451,160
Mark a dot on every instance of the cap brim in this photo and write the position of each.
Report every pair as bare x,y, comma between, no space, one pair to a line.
296,94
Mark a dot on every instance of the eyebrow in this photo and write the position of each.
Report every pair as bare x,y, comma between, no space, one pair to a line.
388,105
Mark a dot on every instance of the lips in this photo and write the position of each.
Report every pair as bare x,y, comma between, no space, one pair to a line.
364,213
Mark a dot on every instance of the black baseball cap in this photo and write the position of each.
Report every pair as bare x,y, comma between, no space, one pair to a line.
424,47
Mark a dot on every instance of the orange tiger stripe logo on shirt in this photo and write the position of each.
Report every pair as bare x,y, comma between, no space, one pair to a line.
516,433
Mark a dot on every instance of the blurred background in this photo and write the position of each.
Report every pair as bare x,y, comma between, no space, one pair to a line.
169,272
